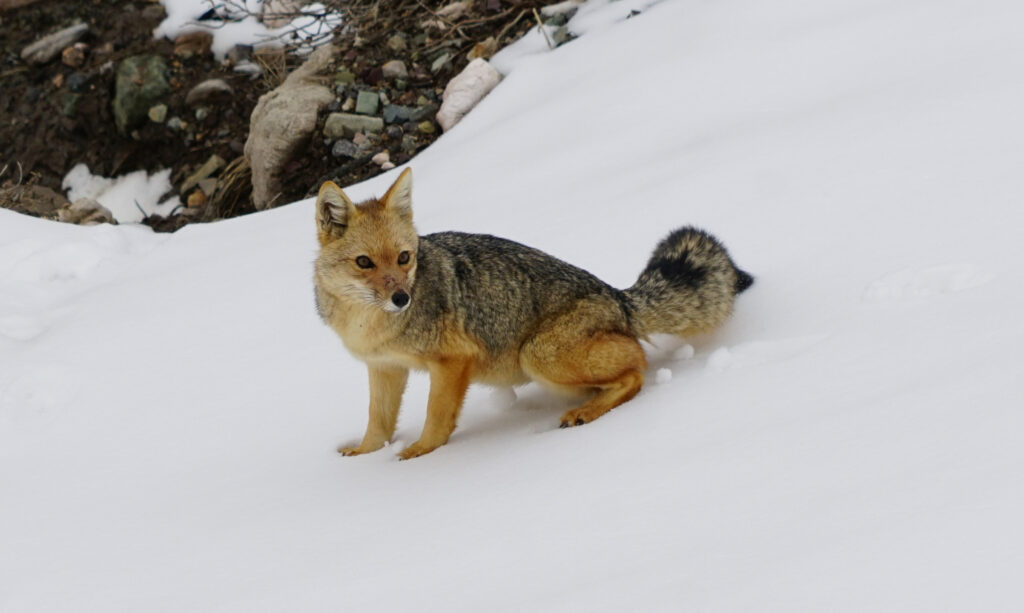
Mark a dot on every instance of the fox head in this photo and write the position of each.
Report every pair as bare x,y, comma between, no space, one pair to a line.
368,250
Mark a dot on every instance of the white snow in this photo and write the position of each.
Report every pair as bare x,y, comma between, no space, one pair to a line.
129,197
238,24
685,352
170,405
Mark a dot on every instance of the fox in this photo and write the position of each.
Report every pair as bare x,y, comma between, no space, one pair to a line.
475,308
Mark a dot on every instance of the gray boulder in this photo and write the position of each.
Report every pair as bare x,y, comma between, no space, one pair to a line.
49,47
282,123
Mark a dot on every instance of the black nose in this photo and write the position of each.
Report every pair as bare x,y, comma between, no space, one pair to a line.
400,298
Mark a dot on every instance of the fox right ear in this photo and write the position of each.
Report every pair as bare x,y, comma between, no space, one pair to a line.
333,210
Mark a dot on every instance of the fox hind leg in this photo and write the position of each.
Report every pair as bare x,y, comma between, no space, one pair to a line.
608,363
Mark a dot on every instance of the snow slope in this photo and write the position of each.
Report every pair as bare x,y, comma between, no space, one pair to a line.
850,441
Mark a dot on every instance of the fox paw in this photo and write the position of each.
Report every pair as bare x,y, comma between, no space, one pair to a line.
358,450
415,450
577,417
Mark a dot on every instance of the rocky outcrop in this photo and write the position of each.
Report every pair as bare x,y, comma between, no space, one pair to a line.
282,122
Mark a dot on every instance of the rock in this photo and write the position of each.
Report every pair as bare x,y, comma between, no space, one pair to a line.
74,56
423,112
367,103
283,122
344,149
394,132
175,124
158,113
141,81
202,113
107,67
208,185
340,124
344,76
440,62
33,200
426,127
465,90
49,47
239,54
361,140
209,167
196,199
384,98
381,158
397,43
452,11
252,69
193,43
58,80
348,105
69,106
78,81
85,212
395,69
387,166
208,90
396,113
409,143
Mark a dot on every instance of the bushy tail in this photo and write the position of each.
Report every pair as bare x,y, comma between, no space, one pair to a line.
688,286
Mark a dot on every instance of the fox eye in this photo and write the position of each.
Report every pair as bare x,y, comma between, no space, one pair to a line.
364,262
403,258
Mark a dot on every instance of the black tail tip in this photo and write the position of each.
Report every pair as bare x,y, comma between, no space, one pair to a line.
743,280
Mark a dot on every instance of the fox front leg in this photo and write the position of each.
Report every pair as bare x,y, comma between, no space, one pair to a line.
387,384
449,381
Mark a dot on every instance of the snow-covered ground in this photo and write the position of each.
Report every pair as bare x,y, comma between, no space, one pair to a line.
850,441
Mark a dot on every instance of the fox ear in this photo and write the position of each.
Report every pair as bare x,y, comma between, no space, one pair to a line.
333,209
399,196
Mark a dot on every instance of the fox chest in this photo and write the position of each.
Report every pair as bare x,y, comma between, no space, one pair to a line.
371,335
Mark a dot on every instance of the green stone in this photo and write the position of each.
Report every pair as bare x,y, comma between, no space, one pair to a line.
367,103
344,76
140,83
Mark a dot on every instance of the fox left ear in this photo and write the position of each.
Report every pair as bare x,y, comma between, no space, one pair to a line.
333,209
399,196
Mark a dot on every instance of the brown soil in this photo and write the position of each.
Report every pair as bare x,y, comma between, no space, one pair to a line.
46,128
